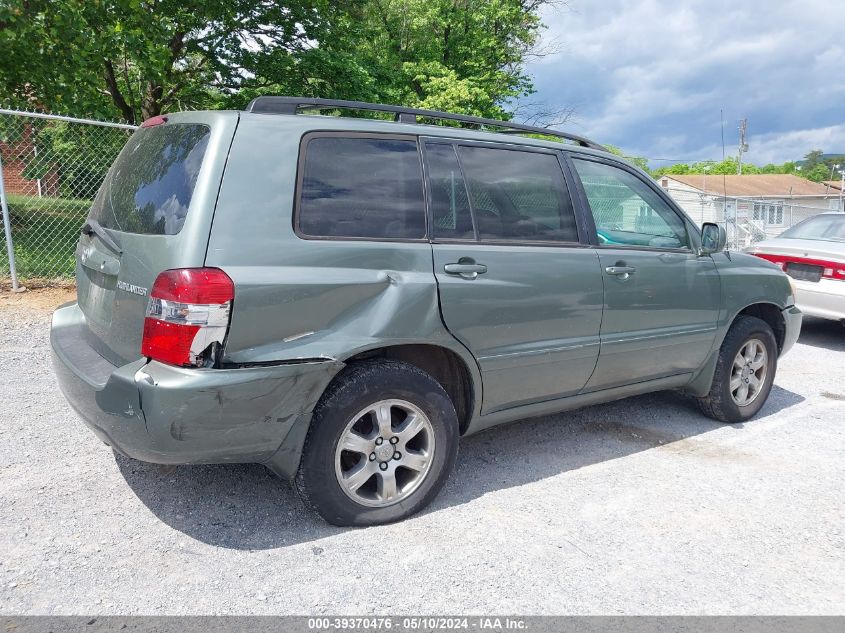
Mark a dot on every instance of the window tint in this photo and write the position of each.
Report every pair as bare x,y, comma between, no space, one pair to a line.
517,195
449,200
627,211
362,187
150,186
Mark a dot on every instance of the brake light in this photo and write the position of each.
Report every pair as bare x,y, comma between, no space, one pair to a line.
831,269
153,121
188,311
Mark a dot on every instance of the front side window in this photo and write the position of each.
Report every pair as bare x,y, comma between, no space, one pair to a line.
518,195
627,212
362,187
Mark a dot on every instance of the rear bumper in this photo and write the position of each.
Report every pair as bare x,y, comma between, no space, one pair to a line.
171,415
824,299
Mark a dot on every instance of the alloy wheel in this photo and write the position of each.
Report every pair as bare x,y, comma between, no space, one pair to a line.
748,374
384,453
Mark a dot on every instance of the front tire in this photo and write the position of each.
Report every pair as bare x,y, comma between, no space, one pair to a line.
745,371
382,442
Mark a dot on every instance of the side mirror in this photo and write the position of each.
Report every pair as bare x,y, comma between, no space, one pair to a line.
713,238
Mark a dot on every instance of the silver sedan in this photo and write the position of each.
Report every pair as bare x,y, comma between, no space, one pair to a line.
813,253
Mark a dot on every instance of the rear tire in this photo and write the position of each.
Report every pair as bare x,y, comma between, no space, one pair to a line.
744,374
382,442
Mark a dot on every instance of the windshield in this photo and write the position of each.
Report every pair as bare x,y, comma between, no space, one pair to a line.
829,227
149,188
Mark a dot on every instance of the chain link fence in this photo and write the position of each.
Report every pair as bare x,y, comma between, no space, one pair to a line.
749,220
52,168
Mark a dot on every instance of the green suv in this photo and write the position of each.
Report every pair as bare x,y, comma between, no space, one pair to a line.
342,298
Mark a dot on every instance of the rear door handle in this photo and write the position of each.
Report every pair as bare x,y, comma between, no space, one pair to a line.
465,269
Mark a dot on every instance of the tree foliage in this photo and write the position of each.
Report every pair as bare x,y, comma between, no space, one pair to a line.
816,166
639,161
727,167
134,59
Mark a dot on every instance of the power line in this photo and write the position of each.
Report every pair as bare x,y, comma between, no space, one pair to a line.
681,160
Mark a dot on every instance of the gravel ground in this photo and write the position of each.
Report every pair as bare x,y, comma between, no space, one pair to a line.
637,507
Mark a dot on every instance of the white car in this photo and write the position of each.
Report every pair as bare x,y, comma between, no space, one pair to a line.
813,253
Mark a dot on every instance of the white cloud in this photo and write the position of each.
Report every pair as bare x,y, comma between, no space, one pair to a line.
652,76
774,146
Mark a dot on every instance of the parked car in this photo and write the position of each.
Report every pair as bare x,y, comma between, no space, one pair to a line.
813,253
341,299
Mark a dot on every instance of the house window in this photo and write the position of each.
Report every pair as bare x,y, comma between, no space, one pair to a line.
769,212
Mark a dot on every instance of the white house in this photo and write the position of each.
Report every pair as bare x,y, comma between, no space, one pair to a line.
754,206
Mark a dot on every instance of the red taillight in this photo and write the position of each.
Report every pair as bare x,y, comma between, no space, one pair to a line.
194,285
831,269
188,311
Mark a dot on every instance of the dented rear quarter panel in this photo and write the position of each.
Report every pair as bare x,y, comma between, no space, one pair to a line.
299,298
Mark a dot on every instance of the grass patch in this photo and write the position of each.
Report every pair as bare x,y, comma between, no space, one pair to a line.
44,233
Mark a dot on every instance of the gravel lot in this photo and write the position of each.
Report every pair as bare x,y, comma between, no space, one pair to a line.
641,506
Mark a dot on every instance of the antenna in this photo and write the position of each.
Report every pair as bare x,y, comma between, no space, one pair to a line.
743,146
725,180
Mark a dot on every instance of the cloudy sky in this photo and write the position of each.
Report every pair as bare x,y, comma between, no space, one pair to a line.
651,75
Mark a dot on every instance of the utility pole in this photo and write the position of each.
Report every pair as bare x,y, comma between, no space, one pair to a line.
833,168
743,146
704,191
842,190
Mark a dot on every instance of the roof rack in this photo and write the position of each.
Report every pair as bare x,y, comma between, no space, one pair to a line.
292,105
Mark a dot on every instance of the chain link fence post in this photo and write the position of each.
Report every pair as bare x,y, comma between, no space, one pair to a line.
7,231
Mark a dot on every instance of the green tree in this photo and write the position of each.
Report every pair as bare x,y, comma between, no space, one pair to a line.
727,167
639,161
812,159
138,58
817,173
456,55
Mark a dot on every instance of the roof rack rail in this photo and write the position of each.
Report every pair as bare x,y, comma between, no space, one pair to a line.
292,105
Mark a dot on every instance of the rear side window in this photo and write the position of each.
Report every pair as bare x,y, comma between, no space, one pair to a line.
362,187
449,200
518,196
149,188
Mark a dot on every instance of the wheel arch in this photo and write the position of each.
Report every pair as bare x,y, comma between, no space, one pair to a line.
768,312
446,366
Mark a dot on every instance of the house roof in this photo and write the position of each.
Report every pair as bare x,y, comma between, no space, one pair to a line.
755,185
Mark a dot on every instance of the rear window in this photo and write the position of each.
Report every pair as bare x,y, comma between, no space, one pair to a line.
826,227
149,188
362,187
